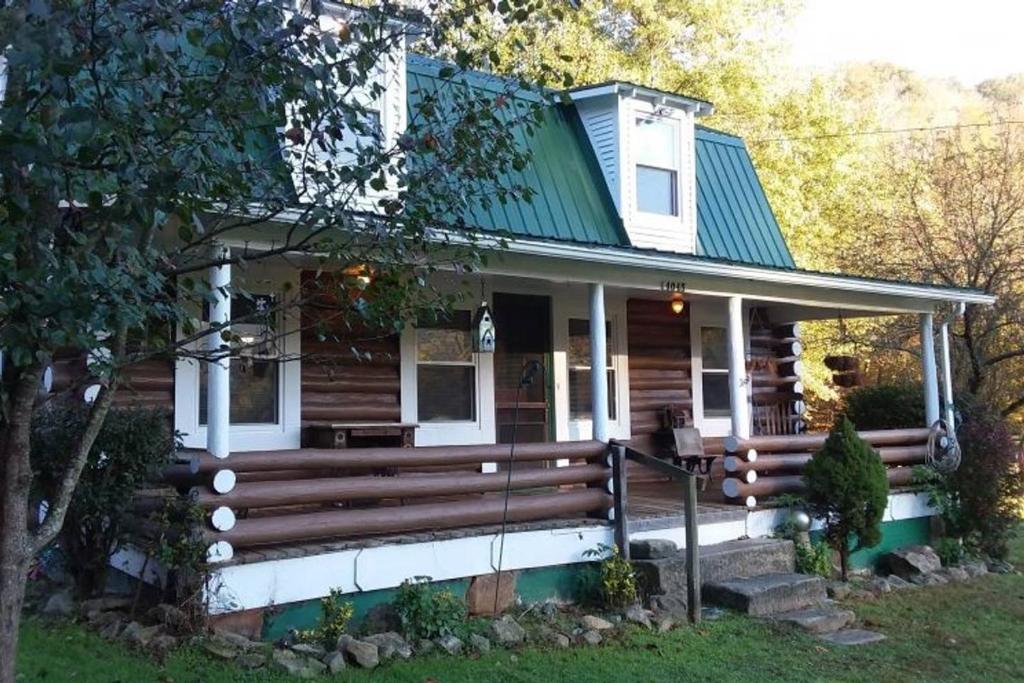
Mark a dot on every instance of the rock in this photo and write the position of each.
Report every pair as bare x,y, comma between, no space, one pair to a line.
668,604
479,643
999,566
425,646
558,639
449,644
390,645
308,650
818,619
975,568
637,615
507,632
139,635
591,623
838,590
865,595
480,594
235,640
879,586
898,584
956,574
297,665
911,561
170,616
591,637
664,623
652,549
549,610
112,630
853,636
362,653
251,660
381,618
220,648
711,613
99,619
105,603
933,579
60,604
162,644
335,662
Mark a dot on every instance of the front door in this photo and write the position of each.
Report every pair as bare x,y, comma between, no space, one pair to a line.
523,323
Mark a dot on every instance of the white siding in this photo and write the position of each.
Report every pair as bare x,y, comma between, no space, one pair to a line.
601,121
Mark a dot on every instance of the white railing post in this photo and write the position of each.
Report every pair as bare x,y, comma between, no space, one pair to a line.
947,376
218,378
598,364
739,402
929,378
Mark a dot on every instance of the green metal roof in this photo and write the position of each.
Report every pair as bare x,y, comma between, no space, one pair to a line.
571,201
734,220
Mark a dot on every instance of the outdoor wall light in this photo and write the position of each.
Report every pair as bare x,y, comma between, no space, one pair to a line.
677,303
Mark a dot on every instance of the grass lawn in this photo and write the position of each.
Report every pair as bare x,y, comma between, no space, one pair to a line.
966,632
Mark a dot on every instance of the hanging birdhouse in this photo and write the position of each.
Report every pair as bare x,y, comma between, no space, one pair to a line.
483,330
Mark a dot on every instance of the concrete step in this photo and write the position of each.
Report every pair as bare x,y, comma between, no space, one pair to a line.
666,575
767,594
853,636
822,619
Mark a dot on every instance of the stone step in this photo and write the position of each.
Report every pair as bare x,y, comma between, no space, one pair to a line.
853,636
663,572
767,594
822,619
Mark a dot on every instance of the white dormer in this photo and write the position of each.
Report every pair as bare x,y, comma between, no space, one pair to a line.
644,142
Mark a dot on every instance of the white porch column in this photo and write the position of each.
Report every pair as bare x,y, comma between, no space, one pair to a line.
928,374
218,378
947,376
598,363
739,404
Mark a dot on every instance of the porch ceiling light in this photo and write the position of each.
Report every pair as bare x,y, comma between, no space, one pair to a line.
678,304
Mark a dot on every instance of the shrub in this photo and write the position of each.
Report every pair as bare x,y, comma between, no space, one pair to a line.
426,612
131,448
886,406
977,502
616,584
950,551
335,613
814,558
848,489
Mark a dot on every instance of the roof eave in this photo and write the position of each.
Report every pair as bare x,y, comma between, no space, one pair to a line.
659,97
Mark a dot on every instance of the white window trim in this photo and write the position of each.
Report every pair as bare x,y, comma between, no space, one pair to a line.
448,433
565,308
658,220
286,432
712,313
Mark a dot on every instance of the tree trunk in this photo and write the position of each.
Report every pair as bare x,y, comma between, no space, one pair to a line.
15,539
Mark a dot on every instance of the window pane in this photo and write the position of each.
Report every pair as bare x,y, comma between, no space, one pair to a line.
446,340
580,401
579,343
655,143
714,348
656,190
254,392
716,395
446,393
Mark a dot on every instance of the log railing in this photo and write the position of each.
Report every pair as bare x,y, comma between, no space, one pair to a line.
766,466
274,498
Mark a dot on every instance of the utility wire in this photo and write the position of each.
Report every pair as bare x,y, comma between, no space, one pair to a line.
890,131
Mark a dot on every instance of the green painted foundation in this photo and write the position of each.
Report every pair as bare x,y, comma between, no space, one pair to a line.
914,531
559,583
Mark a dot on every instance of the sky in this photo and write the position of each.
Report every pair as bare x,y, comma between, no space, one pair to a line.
970,41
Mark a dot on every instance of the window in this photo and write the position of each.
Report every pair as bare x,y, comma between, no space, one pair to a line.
255,372
446,370
714,351
580,395
656,167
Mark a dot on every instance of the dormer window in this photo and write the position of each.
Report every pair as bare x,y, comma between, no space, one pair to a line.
657,166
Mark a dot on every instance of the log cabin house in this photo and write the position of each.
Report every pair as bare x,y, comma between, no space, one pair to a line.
648,274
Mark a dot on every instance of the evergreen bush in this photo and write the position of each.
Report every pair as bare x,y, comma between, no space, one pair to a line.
886,406
847,488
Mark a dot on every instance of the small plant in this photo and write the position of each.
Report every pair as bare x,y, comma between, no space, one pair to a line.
848,489
814,558
335,613
426,612
950,551
618,585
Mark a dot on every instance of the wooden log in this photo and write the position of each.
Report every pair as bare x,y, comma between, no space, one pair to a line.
375,399
222,518
641,403
431,516
775,486
377,458
774,462
650,363
652,383
219,551
805,442
348,385
339,489
223,481
328,371
768,379
352,413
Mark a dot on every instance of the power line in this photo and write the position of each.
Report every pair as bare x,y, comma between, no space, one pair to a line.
890,131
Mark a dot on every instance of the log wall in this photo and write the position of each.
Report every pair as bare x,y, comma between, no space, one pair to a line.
777,400
659,362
